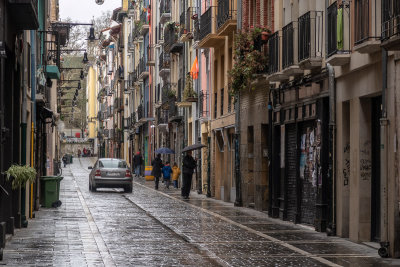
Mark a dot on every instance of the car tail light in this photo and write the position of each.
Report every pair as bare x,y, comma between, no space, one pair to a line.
97,173
128,173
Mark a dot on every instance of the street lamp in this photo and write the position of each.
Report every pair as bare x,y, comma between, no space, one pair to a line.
85,58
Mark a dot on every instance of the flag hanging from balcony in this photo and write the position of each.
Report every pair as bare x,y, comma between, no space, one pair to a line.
194,71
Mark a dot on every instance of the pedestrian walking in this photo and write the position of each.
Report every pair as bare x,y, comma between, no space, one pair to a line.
189,164
79,152
137,163
64,159
167,170
156,172
175,174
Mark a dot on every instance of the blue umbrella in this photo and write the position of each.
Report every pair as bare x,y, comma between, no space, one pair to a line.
164,150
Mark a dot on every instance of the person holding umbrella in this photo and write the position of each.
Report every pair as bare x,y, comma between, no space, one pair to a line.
157,167
189,164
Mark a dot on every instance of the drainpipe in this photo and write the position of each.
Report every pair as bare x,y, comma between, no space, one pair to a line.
332,144
384,250
24,112
238,178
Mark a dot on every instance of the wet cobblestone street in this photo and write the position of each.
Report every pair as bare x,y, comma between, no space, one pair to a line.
158,228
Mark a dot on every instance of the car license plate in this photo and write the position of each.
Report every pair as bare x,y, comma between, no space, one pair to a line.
113,174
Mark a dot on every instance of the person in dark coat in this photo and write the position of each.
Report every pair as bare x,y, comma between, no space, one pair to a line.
157,167
189,164
137,163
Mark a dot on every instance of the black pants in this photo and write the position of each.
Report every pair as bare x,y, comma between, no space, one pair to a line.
156,180
187,184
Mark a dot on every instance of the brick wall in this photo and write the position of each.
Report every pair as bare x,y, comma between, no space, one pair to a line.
254,170
263,12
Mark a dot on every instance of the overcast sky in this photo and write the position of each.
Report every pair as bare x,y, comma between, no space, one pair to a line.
84,10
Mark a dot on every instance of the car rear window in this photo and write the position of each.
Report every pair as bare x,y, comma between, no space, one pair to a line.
112,164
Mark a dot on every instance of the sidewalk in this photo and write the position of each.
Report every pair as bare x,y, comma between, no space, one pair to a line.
336,250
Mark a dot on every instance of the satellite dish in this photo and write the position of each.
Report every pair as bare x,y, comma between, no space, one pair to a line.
99,2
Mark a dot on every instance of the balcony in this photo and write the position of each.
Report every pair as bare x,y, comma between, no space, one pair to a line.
365,35
133,78
25,13
168,96
208,36
289,50
144,19
311,40
119,104
142,118
143,69
164,64
391,24
188,27
171,44
226,17
165,11
203,106
150,56
175,115
162,117
182,21
137,37
338,53
274,69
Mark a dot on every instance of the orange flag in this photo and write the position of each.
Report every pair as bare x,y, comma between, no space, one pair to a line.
194,71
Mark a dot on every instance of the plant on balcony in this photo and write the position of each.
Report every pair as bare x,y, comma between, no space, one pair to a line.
249,59
21,175
188,92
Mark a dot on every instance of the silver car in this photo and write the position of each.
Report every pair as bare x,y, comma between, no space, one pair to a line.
110,173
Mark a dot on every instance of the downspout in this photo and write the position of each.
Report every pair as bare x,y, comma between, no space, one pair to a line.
331,230
24,112
384,250
238,178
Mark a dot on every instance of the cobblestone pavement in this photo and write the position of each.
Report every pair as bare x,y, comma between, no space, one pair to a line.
158,228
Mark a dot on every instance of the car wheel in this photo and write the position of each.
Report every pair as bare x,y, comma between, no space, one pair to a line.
128,189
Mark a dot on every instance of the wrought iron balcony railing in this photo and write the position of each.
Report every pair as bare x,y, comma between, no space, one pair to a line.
206,23
169,38
165,10
203,105
390,18
163,61
140,112
310,35
225,12
274,52
143,68
182,23
287,46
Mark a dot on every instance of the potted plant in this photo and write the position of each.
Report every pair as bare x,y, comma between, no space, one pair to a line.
20,175
188,93
249,60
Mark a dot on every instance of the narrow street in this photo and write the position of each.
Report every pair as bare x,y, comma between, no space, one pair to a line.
157,228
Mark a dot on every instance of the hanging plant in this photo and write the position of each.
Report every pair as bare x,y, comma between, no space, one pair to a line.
249,59
188,91
21,175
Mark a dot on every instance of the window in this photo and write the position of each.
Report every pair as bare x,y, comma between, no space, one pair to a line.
110,163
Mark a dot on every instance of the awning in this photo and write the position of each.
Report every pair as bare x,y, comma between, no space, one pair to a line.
52,72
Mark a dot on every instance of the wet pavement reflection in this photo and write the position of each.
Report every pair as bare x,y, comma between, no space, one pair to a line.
158,228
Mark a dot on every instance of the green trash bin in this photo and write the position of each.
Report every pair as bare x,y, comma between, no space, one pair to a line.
50,190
